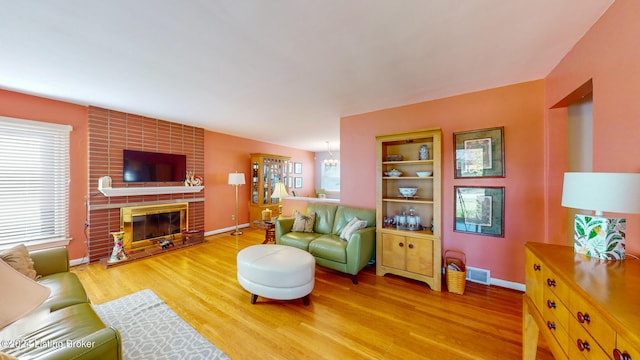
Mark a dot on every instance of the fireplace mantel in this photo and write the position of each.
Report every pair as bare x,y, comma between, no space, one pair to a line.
149,190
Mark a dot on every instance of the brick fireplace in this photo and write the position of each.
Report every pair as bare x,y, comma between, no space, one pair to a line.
145,226
110,132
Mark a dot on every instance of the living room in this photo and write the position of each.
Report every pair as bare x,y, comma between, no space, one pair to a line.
533,114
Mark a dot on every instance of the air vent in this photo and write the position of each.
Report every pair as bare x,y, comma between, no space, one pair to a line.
480,276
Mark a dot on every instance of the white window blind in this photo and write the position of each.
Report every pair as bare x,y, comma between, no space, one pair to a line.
34,182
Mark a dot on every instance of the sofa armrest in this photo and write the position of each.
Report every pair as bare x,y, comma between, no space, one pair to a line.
283,226
103,344
360,249
50,261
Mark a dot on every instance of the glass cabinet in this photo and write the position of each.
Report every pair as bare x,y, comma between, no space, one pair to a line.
266,171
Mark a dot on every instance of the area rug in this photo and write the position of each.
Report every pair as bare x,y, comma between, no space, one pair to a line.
151,330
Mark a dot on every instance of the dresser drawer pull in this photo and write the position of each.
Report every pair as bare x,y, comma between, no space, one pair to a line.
536,267
583,318
551,283
551,304
410,246
619,355
551,325
401,244
583,345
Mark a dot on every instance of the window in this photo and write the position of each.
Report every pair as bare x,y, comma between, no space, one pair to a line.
34,182
330,178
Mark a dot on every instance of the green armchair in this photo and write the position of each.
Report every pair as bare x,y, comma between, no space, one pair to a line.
324,243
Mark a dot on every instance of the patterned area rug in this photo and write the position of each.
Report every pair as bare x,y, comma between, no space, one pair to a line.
151,330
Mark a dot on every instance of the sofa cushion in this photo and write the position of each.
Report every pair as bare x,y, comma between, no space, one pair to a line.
344,214
43,327
329,247
300,240
325,215
352,227
303,223
66,290
19,259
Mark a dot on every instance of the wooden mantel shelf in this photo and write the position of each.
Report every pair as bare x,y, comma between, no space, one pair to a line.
149,190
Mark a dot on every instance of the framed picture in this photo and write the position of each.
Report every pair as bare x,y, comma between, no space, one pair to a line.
298,182
297,168
479,210
479,153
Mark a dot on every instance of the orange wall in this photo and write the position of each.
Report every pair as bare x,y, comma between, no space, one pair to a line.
519,108
609,54
225,154
28,107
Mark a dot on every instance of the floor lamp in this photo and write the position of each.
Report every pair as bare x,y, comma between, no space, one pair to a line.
236,179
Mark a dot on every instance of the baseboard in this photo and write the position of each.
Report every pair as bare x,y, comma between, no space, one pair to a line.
508,284
80,261
223,230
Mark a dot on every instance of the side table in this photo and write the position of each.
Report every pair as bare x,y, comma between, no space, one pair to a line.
269,232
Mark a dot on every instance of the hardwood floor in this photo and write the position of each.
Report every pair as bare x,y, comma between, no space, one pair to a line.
380,318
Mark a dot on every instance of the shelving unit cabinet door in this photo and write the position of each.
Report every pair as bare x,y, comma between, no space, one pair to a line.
419,256
393,251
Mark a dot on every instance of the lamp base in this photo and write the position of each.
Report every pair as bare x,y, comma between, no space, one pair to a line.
599,237
236,232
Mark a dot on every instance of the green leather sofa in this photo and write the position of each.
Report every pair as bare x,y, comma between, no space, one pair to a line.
325,244
65,325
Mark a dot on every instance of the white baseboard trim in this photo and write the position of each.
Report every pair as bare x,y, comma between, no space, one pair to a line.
80,261
227,229
508,284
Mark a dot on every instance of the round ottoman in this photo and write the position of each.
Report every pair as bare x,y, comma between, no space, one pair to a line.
276,272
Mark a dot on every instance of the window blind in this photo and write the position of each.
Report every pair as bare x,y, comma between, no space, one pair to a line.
34,182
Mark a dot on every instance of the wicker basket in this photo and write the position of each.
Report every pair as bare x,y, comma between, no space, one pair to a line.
456,280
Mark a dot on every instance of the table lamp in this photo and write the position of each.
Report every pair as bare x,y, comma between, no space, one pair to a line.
236,179
596,235
279,192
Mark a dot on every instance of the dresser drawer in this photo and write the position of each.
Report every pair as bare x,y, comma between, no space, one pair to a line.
592,321
555,284
626,350
582,345
552,306
559,332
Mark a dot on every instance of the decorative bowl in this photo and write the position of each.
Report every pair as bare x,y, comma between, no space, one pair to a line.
393,173
424,173
408,191
394,157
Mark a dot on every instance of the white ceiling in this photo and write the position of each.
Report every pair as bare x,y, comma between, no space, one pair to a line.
280,71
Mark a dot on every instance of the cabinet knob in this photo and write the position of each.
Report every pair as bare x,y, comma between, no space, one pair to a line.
583,318
536,267
410,246
551,325
619,355
551,304
583,345
401,244
551,283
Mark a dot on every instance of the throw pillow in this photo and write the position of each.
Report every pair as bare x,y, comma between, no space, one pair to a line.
360,224
19,259
303,223
346,227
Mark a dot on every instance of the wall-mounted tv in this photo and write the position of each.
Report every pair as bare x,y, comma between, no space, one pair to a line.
144,166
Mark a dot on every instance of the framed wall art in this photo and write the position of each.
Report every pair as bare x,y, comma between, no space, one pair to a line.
479,210
479,153
297,168
298,182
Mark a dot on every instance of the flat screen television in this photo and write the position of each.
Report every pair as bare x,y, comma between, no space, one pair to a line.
144,166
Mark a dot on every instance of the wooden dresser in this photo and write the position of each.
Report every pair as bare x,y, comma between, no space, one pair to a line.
585,308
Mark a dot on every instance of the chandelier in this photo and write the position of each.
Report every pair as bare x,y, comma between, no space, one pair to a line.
330,161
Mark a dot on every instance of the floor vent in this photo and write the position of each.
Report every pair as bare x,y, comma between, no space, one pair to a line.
480,276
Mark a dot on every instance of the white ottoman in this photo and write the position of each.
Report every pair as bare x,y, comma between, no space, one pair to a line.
276,272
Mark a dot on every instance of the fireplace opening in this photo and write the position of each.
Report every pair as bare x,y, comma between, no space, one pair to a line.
146,226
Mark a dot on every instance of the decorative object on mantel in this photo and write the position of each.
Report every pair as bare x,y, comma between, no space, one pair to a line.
236,179
104,182
118,253
193,180
595,235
